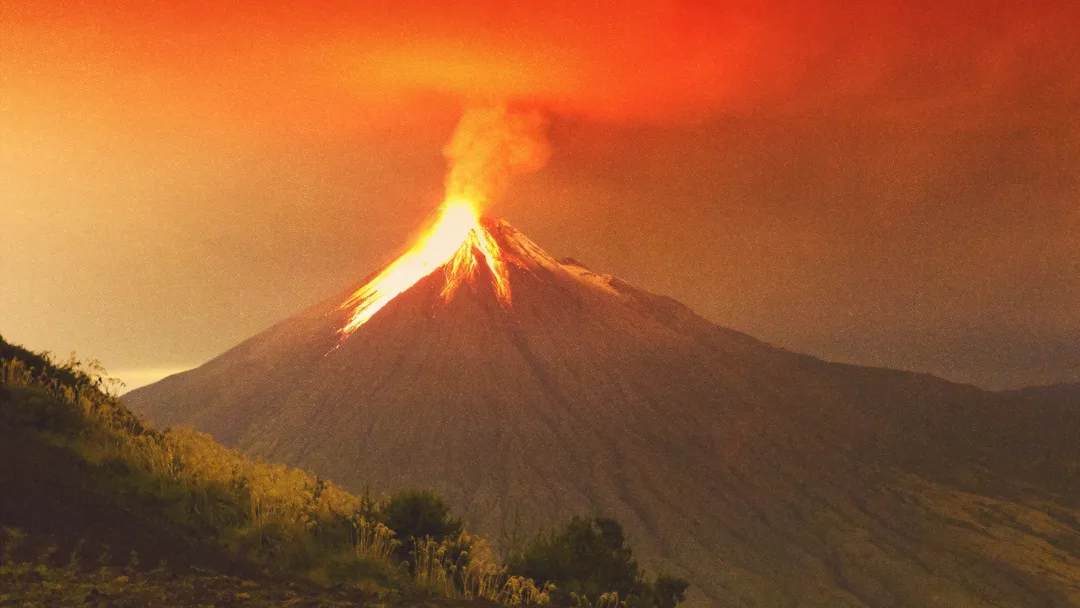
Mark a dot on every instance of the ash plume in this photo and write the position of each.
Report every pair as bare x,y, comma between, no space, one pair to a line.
490,145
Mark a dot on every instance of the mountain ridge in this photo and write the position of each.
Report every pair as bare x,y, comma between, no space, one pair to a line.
586,394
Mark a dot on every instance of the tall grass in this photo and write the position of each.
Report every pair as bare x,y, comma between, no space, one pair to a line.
285,519
466,567
373,539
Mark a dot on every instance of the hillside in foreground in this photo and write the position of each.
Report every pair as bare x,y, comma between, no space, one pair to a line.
97,508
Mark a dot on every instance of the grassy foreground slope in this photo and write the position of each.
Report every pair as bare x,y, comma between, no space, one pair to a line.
96,508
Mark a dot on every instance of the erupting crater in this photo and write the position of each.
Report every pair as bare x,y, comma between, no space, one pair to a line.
458,243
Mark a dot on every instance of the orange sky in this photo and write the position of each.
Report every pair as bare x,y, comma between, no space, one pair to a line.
268,63
889,183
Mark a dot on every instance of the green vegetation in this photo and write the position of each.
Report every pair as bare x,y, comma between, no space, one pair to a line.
300,537
419,514
589,559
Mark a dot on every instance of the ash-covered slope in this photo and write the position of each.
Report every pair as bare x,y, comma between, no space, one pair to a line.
763,476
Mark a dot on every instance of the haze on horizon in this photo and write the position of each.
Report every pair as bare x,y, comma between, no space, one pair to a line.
893,184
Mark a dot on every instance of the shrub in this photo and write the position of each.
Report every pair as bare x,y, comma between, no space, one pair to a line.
417,515
668,591
589,563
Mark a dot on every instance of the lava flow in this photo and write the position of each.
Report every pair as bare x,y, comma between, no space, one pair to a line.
454,243
490,145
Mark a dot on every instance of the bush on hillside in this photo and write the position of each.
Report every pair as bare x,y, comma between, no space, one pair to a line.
589,561
668,591
418,515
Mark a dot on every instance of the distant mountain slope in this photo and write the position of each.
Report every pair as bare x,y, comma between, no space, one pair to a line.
764,476
1064,394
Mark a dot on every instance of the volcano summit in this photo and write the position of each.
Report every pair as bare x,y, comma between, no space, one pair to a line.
764,476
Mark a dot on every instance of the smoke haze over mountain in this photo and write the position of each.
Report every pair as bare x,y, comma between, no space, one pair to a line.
891,183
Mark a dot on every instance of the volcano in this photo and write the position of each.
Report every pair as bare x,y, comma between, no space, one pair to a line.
766,477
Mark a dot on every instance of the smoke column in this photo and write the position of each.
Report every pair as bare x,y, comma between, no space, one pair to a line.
490,145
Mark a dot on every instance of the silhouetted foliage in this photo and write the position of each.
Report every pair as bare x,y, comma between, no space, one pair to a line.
589,559
667,591
32,409
419,514
37,363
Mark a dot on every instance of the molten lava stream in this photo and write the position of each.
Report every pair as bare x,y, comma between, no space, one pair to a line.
453,243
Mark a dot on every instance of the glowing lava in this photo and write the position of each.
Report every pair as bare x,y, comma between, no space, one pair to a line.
489,146
457,243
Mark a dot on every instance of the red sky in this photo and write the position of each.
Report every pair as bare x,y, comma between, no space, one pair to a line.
190,62
887,183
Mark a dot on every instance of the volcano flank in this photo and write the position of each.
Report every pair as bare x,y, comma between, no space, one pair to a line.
764,476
